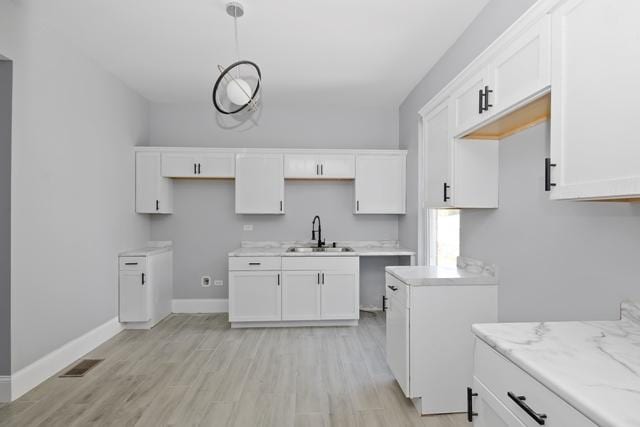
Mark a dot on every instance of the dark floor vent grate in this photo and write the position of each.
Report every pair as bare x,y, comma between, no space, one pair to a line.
81,368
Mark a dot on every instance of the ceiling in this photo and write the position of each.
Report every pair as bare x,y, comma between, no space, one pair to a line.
349,52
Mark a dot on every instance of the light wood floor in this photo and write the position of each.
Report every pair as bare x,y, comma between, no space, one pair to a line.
194,370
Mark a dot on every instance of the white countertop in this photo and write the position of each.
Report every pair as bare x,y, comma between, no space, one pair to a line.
594,366
152,248
468,272
360,248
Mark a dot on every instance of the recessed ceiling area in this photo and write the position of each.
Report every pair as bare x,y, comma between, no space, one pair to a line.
356,52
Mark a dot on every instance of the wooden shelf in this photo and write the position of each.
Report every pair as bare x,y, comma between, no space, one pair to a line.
529,115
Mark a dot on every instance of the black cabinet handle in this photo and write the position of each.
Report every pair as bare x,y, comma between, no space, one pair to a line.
278,279
445,196
280,205
487,91
480,101
199,168
323,278
255,263
318,278
384,303
317,169
322,169
195,169
130,263
393,288
539,418
547,174
157,205
357,205
143,279
470,396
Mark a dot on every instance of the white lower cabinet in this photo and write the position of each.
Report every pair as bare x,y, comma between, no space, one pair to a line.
505,395
300,295
135,292
254,296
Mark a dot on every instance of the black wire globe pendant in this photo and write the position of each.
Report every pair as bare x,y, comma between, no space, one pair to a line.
241,92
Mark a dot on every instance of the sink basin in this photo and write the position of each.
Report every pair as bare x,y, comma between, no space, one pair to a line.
306,249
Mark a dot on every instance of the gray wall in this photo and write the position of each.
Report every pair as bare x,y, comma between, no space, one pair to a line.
204,227
496,17
5,216
558,260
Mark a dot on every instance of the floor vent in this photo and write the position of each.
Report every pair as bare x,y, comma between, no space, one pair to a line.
81,368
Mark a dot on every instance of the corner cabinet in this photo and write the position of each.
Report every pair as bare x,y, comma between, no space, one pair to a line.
380,184
154,193
259,184
595,152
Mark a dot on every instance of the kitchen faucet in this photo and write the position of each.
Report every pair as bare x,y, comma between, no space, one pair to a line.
313,231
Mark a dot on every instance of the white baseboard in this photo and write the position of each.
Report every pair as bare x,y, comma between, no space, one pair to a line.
200,305
5,389
32,375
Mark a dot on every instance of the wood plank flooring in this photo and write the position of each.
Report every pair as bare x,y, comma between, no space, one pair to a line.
193,370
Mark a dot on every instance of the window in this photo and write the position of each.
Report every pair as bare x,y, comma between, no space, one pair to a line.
444,236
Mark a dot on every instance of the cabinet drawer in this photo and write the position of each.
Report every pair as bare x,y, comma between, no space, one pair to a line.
501,377
132,263
320,263
397,289
254,263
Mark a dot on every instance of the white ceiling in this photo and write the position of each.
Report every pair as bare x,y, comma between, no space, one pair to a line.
353,52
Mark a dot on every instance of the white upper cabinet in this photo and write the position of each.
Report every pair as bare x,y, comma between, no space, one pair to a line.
154,194
380,184
468,104
595,92
522,69
458,173
198,165
259,183
438,146
321,166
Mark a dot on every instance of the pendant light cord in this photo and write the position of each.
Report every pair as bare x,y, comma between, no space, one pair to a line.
235,30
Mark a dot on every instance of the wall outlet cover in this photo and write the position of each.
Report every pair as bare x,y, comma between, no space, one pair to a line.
248,227
205,281
218,283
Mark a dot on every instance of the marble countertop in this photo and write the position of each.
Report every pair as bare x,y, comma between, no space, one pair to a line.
467,272
152,248
594,366
360,248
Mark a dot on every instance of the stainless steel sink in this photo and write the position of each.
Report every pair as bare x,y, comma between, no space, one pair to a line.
306,249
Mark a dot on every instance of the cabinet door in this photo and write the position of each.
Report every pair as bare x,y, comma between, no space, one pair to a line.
490,411
466,102
216,165
259,184
380,184
153,192
437,140
302,166
337,166
254,296
594,103
179,165
339,295
300,295
522,70
134,296
398,341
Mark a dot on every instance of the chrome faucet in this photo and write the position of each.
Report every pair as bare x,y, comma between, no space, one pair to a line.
319,231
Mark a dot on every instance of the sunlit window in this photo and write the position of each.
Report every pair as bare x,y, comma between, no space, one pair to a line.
446,242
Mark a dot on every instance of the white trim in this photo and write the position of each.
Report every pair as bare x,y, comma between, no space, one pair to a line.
32,375
200,305
282,151
5,389
293,323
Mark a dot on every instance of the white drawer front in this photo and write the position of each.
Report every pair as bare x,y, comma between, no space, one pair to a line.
397,289
254,263
320,263
130,263
502,377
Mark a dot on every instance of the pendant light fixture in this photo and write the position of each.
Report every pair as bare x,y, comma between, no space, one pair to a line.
237,90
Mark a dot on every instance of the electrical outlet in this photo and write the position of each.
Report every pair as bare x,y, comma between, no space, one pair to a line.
248,227
205,281
218,283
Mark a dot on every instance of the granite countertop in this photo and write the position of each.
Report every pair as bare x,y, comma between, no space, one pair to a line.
152,248
467,272
360,248
594,366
